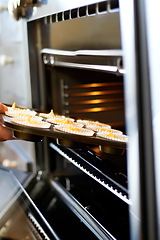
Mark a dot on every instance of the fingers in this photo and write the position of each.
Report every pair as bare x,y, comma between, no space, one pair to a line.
3,108
5,134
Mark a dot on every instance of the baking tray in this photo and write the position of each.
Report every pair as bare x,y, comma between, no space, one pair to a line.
36,134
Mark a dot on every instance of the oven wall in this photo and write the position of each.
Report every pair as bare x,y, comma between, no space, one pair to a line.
15,84
91,27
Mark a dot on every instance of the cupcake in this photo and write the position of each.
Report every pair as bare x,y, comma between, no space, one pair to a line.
75,130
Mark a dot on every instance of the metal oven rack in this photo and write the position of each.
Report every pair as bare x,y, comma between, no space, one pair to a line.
82,162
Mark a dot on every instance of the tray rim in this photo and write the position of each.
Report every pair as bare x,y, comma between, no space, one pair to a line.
53,133
57,134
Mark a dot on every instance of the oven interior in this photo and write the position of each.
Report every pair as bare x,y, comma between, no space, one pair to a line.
76,64
77,70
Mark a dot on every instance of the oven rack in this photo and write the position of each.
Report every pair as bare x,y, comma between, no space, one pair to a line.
92,172
35,227
101,60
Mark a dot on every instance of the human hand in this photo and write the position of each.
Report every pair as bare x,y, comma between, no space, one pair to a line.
5,134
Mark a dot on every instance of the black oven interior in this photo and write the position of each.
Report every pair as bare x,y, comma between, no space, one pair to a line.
76,65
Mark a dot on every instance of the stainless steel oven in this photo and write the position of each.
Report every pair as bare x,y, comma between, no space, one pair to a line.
89,60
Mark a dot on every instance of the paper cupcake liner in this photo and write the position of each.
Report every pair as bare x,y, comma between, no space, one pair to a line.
116,132
111,136
32,122
60,120
75,130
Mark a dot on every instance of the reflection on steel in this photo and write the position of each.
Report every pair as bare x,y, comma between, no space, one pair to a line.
105,68
96,93
96,85
97,109
97,101
79,59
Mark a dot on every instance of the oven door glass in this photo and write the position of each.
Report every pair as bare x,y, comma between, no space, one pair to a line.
19,217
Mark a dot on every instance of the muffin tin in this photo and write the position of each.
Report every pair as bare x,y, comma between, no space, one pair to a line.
36,134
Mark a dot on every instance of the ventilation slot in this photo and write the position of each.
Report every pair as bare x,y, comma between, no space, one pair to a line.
54,18
59,17
66,15
89,10
92,9
46,20
74,13
114,4
82,11
102,7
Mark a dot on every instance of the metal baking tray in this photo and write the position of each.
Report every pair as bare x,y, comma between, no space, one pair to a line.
36,134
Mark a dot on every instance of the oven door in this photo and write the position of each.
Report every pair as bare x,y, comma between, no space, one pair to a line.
45,209
19,217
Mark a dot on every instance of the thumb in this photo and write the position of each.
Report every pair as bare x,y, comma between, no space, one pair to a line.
3,108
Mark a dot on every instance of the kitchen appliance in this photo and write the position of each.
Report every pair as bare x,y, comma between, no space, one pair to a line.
86,63
15,84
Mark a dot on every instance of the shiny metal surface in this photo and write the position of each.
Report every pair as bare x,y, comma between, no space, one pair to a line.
102,60
153,38
72,35
120,193
141,169
32,10
4,60
130,88
66,28
20,218
14,67
3,7
53,7
15,80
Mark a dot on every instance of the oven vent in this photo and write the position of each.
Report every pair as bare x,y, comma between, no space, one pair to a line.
84,11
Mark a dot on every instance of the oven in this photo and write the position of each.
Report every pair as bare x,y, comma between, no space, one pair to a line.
86,63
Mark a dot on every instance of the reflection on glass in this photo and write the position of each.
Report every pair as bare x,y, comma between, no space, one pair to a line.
19,218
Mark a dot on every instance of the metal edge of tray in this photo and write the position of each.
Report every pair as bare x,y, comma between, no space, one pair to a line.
52,133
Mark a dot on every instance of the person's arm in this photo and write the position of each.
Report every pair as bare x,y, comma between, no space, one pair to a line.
5,134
